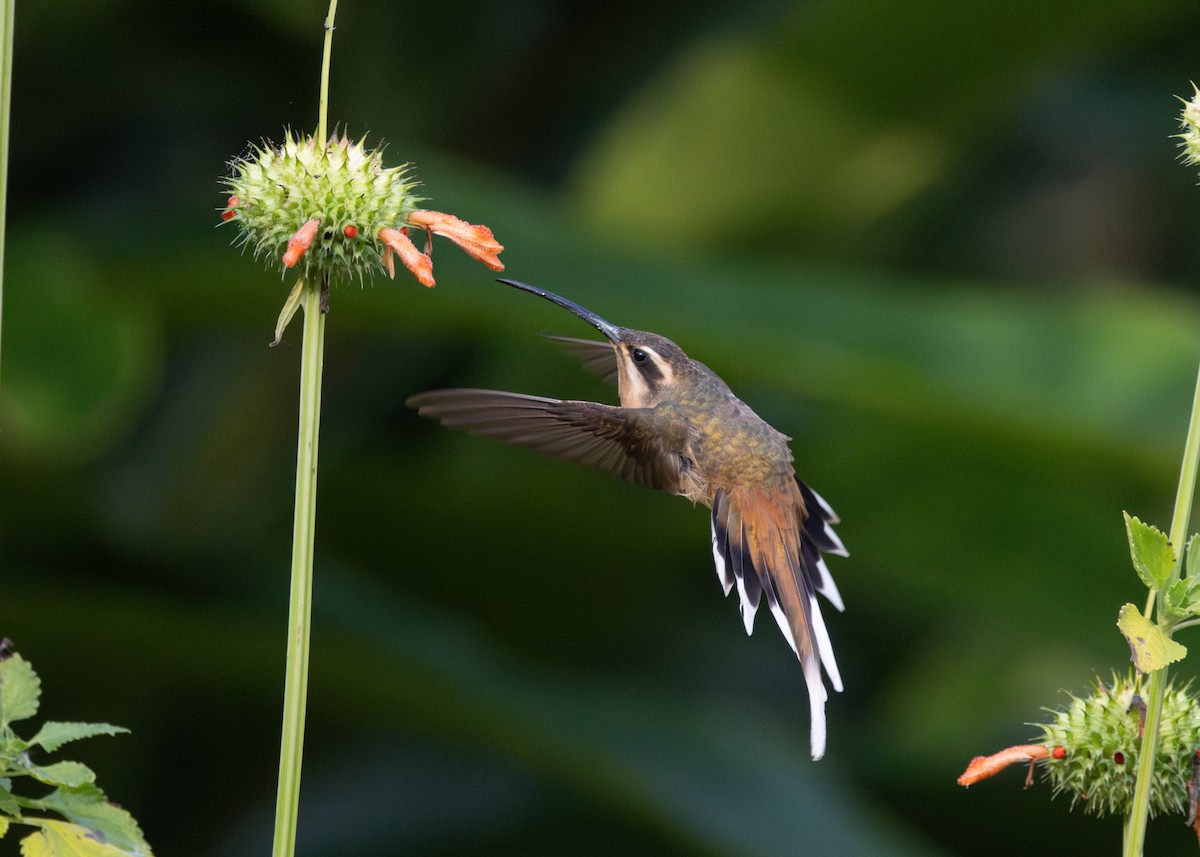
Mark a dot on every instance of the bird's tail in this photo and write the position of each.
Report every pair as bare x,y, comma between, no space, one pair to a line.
770,542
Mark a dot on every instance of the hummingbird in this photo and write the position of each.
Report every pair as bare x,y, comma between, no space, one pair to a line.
679,428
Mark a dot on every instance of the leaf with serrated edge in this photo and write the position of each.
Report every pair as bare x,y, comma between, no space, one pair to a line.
88,807
1174,597
54,733
1153,557
1150,649
3,826
1192,555
63,839
1182,598
72,774
20,688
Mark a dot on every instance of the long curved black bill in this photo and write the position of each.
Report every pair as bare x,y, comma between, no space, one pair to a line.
608,329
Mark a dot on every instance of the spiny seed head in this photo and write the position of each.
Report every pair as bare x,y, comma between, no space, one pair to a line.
277,191
1100,737
1189,120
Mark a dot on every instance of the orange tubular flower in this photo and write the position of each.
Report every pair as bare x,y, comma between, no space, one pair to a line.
413,259
982,767
300,242
477,241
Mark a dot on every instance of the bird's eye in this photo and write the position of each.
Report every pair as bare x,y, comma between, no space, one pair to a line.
639,356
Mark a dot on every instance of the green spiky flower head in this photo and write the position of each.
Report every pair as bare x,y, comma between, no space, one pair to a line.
277,190
1095,742
1189,138
334,211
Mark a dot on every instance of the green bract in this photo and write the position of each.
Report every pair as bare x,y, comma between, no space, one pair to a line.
1101,738
343,185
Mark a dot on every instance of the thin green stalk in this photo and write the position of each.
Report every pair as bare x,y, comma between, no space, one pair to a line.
1135,823
6,61
1187,480
291,748
295,692
323,100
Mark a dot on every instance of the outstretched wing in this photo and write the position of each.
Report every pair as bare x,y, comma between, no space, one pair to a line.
631,443
772,548
597,356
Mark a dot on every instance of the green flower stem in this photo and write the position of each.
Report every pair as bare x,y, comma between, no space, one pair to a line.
323,101
1135,823
295,694
295,690
6,51
1187,481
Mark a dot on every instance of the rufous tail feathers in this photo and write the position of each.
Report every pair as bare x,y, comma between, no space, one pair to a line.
770,544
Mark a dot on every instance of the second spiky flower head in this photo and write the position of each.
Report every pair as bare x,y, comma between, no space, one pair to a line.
1189,136
1091,747
333,210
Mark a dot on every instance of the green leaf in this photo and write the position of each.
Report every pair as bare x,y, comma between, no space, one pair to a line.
1150,648
8,803
1182,598
72,774
54,733
88,807
3,826
1152,554
20,688
62,839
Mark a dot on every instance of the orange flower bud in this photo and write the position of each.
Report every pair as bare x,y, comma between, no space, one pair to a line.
300,241
413,259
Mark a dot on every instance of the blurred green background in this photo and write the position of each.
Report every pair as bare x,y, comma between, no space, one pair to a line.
945,246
